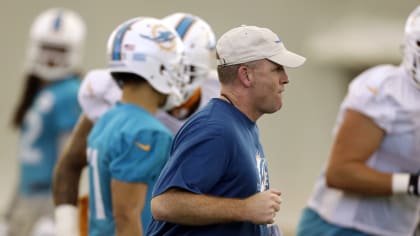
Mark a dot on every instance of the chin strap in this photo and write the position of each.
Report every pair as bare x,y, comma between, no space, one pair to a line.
187,108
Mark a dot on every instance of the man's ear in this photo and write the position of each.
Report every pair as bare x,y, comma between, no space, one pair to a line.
243,75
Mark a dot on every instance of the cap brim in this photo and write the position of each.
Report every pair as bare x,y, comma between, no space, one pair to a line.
288,59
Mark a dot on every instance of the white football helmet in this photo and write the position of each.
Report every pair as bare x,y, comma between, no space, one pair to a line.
56,44
412,45
149,48
199,41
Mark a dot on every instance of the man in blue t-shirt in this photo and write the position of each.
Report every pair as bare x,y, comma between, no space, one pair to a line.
216,179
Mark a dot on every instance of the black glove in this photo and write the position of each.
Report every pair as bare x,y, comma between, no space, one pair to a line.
413,185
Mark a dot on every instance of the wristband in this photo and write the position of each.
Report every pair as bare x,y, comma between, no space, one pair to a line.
400,182
66,219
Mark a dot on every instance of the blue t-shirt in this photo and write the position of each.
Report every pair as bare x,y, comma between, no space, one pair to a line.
53,114
216,152
130,145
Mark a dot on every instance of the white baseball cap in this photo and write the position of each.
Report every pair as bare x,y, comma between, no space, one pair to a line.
250,43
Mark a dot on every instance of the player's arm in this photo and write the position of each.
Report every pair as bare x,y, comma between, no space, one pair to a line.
182,207
67,176
357,139
70,164
127,204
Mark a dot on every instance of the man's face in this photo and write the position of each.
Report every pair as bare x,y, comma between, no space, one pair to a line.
269,80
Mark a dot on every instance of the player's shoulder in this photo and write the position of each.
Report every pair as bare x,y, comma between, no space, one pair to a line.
95,73
128,116
62,91
210,87
376,76
212,78
68,84
98,93
213,75
131,130
99,83
96,81
374,80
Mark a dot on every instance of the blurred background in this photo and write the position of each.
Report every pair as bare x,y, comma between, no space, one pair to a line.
339,39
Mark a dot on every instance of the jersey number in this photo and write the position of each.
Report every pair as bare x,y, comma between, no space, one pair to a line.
93,162
28,153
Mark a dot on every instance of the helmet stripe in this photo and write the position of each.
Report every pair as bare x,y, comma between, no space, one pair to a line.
184,25
58,21
117,44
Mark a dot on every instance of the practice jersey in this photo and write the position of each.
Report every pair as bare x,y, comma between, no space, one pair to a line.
130,145
51,118
387,95
99,92
217,152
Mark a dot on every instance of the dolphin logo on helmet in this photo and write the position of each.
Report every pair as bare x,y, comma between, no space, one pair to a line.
163,37
146,47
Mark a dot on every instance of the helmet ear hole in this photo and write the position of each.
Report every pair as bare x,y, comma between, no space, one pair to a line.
162,69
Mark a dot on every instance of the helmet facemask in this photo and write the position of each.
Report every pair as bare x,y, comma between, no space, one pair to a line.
56,44
412,46
51,62
199,41
196,75
175,97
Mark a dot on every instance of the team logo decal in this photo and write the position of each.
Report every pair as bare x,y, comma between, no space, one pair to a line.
162,36
263,173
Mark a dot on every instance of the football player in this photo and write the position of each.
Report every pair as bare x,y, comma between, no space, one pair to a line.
45,115
371,183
